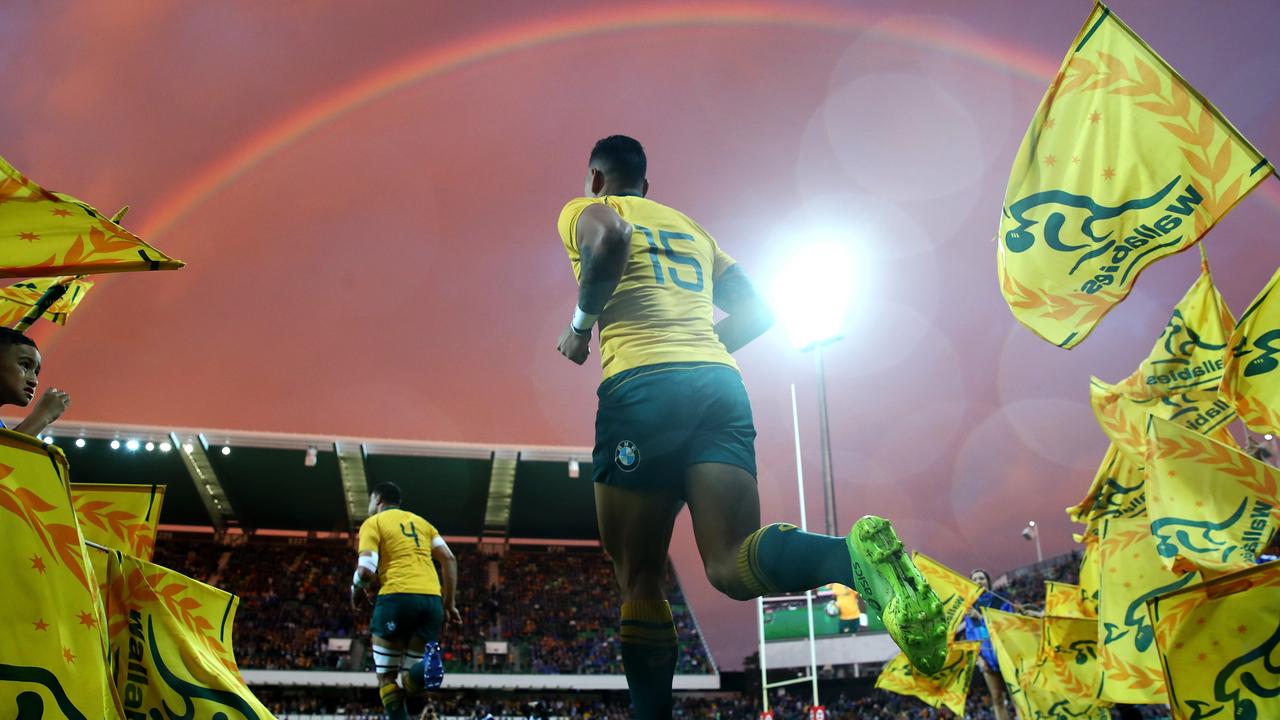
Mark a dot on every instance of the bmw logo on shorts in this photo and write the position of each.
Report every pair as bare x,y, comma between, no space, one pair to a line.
391,626
627,456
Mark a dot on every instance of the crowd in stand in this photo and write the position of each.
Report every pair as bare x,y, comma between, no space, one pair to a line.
877,705
295,596
1025,587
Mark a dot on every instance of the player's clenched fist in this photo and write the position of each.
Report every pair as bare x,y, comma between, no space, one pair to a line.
575,346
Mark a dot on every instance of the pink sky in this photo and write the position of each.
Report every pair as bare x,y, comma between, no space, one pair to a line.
390,267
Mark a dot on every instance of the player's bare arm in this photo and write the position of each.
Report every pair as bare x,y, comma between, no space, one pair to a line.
604,240
449,580
748,314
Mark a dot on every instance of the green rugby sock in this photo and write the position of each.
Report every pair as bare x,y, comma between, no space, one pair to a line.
649,657
778,558
393,702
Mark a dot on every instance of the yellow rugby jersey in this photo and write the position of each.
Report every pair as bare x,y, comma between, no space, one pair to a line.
661,310
403,543
847,601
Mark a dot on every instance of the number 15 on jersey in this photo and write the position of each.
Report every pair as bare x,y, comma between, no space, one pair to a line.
662,246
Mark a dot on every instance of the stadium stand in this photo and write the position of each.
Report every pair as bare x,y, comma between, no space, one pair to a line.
294,598
284,546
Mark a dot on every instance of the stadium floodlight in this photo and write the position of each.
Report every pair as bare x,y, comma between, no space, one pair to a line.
811,295
226,449
165,447
48,439
812,292
79,442
187,448
309,459
132,445
574,468
150,446
115,444
1032,532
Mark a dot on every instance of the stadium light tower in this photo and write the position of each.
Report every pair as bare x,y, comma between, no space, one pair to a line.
811,295
1032,532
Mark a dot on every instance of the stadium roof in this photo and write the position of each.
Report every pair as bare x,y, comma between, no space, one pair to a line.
265,481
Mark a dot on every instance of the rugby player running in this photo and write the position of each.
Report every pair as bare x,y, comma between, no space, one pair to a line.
397,550
674,426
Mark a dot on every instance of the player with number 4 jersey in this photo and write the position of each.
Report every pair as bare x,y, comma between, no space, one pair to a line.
674,426
398,551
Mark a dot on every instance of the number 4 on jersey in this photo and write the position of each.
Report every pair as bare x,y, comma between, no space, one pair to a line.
413,533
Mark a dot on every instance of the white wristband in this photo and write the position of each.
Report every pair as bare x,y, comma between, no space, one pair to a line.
582,322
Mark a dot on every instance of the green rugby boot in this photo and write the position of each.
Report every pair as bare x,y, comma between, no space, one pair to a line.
893,587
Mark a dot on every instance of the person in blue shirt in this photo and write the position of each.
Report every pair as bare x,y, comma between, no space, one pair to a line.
975,628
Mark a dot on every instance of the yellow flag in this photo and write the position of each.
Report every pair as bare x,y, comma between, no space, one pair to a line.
1219,644
1212,508
1016,640
121,517
1250,382
19,298
1069,658
1124,417
1132,574
1066,601
1123,164
1191,350
1090,574
957,593
53,661
171,644
1118,490
949,686
45,233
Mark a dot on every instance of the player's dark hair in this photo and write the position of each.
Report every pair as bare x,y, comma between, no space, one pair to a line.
389,492
622,159
9,336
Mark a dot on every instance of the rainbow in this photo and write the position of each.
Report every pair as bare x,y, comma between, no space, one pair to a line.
440,60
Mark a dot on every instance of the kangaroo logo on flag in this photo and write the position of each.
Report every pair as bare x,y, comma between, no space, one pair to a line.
1115,500
1123,164
1136,616
1181,341
1085,650
1117,256
1266,362
1246,679
1173,533
1211,506
1219,644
